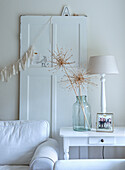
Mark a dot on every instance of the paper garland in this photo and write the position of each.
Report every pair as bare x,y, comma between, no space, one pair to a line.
21,64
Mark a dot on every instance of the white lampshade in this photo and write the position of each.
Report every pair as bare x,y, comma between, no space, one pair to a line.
102,65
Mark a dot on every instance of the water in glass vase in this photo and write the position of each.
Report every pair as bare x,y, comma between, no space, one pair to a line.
81,114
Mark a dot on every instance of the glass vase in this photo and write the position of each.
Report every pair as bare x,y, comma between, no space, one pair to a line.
81,114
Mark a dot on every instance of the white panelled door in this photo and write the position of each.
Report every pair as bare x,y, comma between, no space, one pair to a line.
41,96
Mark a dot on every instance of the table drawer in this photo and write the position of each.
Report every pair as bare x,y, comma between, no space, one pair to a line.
101,140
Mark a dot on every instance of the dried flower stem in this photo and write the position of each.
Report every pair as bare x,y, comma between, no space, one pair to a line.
76,95
70,80
82,104
61,60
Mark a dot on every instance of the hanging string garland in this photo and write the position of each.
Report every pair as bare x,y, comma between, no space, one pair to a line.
21,64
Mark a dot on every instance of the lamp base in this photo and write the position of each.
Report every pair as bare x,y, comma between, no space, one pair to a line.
103,95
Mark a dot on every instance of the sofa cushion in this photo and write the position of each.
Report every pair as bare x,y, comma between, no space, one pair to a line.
90,164
19,139
14,167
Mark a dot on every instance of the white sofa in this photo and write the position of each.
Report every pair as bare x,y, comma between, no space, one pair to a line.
90,164
26,145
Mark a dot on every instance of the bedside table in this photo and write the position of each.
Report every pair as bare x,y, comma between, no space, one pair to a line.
91,138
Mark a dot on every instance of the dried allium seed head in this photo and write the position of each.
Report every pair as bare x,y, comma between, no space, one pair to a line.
61,59
78,78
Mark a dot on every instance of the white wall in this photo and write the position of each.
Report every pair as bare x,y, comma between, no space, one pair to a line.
106,35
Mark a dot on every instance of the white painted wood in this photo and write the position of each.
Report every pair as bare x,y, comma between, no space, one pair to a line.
41,94
37,84
54,105
91,138
70,33
101,140
69,132
103,94
66,148
34,96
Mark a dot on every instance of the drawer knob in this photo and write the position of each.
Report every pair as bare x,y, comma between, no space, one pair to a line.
102,140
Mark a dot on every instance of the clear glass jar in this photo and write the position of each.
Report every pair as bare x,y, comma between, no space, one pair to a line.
81,114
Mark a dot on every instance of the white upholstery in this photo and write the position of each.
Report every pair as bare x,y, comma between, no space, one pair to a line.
14,167
19,140
47,152
91,164
45,156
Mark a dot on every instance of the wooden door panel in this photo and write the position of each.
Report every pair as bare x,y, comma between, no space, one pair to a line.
41,96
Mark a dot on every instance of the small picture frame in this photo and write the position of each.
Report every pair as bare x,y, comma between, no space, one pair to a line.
104,122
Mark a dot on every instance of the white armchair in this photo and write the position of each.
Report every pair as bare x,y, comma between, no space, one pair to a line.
45,155
25,145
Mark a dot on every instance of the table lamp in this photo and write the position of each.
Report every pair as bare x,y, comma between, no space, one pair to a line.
102,65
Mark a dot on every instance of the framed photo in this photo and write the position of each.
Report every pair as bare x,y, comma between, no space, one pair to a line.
105,122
